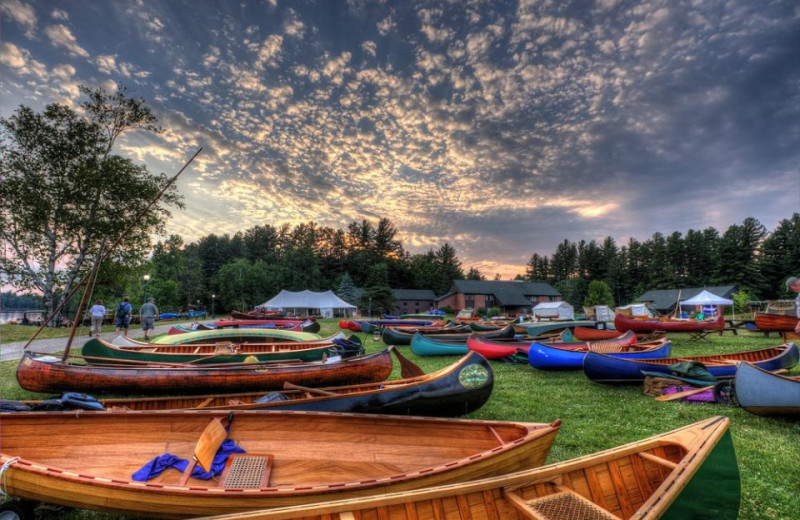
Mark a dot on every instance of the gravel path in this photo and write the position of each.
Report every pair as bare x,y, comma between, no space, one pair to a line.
12,351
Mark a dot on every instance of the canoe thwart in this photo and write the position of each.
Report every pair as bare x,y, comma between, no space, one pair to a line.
657,460
247,471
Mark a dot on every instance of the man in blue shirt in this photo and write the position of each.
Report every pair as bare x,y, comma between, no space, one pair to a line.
123,316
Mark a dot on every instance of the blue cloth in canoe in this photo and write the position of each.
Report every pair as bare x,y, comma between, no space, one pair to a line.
163,462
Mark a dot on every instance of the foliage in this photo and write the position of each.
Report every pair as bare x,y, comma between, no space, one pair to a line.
598,293
347,290
740,300
63,192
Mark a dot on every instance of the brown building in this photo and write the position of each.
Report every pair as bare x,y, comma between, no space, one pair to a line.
513,297
413,301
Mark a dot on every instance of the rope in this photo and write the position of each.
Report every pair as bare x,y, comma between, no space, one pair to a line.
4,474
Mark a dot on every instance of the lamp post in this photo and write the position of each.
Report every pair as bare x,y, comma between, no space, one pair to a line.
213,296
146,279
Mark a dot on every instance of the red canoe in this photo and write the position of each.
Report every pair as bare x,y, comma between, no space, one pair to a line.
590,334
775,322
646,324
491,348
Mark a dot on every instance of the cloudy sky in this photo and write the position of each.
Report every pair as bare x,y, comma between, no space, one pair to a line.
501,127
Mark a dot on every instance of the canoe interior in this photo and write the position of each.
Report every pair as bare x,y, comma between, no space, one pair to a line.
752,356
308,449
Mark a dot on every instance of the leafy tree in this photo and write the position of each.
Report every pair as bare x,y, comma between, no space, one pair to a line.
243,285
377,295
63,193
425,271
598,293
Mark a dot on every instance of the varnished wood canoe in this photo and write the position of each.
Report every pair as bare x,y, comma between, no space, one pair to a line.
403,335
454,390
570,356
592,334
87,460
687,474
49,374
295,325
775,322
764,393
234,336
645,324
601,368
98,351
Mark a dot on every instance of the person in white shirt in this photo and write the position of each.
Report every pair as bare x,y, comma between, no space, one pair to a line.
98,312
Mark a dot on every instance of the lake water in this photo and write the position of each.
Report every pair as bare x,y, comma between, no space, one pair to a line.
6,316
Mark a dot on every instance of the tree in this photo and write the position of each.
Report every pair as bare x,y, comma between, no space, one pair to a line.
598,293
448,268
377,297
474,274
63,193
347,289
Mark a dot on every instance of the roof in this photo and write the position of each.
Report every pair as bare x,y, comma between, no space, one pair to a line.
514,293
663,299
553,305
413,294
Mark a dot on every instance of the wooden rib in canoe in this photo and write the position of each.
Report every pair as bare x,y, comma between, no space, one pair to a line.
775,322
689,473
645,324
221,352
764,393
601,368
87,460
234,336
454,390
49,374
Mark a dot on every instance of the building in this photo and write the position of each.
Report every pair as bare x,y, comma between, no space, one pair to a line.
413,301
665,300
514,297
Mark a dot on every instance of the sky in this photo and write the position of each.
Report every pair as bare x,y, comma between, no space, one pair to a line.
499,127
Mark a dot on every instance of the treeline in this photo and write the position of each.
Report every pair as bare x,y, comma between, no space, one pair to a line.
246,268
745,255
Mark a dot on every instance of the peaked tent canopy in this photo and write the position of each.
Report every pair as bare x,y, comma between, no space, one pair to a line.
559,310
707,298
324,302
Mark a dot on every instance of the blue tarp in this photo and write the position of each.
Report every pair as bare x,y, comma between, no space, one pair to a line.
163,462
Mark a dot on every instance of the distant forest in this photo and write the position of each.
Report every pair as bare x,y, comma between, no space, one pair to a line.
247,268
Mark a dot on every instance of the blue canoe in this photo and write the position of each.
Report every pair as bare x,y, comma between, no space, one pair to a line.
601,368
553,356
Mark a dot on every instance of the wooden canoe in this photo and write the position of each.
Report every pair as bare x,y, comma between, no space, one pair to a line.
775,322
294,325
764,393
569,356
403,335
234,336
454,390
689,473
87,460
646,324
98,351
592,334
601,368
49,374
256,315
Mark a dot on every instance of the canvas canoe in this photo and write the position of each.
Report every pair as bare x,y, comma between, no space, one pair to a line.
553,356
542,327
601,368
98,351
234,336
87,460
38,373
647,324
687,474
764,393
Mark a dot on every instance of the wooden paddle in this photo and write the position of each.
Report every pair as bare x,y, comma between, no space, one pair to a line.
681,395
210,441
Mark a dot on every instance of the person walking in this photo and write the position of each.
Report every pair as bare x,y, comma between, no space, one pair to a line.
97,312
148,313
123,315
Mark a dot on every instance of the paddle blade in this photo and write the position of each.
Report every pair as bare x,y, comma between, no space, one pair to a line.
407,367
209,443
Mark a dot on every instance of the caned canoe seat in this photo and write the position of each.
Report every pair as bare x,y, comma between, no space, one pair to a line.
247,471
605,348
563,505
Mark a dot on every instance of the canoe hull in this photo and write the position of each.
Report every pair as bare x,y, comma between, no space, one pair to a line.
37,375
624,323
775,322
763,393
316,457
553,357
234,336
610,370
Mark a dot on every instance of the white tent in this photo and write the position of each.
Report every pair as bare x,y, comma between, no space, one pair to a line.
707,298
634,309
603,313
555,310
309,302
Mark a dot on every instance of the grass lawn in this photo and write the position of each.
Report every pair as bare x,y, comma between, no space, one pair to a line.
597,417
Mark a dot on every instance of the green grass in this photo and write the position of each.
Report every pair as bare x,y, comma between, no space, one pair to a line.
597,417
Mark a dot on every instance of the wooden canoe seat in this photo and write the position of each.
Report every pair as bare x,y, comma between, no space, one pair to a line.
563,505
224,347
247,471
605,348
